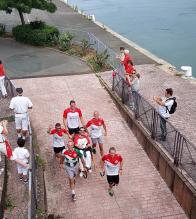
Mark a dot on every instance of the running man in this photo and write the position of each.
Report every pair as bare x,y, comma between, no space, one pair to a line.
70,159
58,134
20,105
95,125
72,117
112,164
83,144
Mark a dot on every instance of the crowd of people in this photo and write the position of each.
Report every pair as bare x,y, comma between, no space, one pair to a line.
74,143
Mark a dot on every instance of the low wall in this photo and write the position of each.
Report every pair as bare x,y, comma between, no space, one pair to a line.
182,189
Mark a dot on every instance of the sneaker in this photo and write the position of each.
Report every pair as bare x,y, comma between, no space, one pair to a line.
162,138
26,181
21,178
81,174
84,174
73,196
90,170
110,192
94,151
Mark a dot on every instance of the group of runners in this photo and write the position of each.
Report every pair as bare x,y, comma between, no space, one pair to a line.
74,144
77,156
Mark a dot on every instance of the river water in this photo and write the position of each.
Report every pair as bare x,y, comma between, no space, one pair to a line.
166,28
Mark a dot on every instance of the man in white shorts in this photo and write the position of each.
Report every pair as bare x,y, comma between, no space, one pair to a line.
20,105
96,124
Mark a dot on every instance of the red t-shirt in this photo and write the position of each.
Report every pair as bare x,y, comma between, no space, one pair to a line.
126,59
58,138
2,71
73,117
95,125
129,69
112,164
82,142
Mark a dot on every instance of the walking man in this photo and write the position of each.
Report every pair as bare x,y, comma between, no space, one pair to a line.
2,80
72,117
112,164
167,106
96,124
20,105
58,134
70,159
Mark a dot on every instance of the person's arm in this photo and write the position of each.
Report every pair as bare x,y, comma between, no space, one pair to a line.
65,119
4,125
49,129
83,162
11,106
105,129
65,132
82,121
159,101
30,105
102,166
121,167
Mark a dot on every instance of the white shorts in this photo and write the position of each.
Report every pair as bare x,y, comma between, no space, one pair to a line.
22,170
98,140
21,121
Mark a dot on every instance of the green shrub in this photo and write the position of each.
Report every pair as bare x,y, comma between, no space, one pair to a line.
85,46
65,41
2,29
101,58
36,33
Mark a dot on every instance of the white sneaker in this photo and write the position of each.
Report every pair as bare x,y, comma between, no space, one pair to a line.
90,170
81,174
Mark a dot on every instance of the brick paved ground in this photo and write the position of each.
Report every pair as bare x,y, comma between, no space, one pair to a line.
154,81
142,193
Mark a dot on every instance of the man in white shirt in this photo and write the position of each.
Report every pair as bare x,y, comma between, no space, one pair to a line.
72,117
20,105
165,104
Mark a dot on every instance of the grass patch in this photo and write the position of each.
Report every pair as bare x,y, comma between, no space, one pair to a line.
9,204
40,161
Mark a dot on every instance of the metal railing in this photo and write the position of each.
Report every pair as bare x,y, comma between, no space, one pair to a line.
182,152
28,209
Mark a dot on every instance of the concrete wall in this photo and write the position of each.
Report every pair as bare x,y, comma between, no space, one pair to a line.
182,189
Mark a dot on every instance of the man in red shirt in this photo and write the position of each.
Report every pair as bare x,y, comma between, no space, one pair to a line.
112,164
96,124
72,117
70,159
130,70
58,134
127,58
2,80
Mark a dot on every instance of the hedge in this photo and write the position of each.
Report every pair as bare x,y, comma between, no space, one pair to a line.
36,33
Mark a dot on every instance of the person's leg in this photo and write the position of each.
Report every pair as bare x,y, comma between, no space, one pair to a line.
163,128
18,122
100,142
94,143
2,86
24,126
25,174
110,183
88,161
20,171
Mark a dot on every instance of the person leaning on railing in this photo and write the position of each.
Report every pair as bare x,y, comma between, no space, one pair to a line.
2,80
166,105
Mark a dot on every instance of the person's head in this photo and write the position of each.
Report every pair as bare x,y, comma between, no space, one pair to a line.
130,62
0,62
126,51
137,75
19,91
58,126
72,104
122,49
82,131
96,115
70,144
112,151
21,142
168,92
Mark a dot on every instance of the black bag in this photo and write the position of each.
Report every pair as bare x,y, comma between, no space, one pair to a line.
173,107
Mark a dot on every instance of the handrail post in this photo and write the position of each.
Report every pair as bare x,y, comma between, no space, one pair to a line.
123,91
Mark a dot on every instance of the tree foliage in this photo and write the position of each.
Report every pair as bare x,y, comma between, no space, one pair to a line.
25,6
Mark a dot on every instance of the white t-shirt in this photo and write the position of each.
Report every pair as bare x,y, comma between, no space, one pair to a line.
21,154
95,125
163,111
58,137
20,104
73,117
2,138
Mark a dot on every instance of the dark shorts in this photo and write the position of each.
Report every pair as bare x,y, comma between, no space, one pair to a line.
58,150
114,180
74,131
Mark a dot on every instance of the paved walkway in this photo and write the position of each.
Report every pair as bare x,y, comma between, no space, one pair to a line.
142,193
27,61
